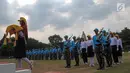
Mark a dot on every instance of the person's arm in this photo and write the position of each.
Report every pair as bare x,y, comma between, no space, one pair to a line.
117,43
2,40
86,46
21,34
94,46
121,44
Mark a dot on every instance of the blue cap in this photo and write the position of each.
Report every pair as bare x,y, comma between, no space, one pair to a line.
96,29
66,36
104,31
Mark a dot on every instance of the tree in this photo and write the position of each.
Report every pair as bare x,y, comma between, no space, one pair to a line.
125,36
35,44
55,40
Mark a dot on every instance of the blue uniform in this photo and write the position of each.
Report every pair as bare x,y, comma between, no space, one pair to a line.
67,44
67,53
59,50
99,52
42,52
51,54
47,53
107,50
59,53
95,41
55,53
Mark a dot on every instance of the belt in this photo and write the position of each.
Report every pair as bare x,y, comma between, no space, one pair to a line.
98,44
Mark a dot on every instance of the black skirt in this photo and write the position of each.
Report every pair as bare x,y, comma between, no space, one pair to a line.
90,52
119,52
20,51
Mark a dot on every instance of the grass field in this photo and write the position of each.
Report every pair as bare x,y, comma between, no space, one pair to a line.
57,66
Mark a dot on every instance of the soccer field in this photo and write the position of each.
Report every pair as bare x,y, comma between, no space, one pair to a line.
57,66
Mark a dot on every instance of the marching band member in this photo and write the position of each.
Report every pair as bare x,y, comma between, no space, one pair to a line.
55,54
90,50
113,44
67,53
120,48
59,53
20,49
107,50
98,50
83,49
51,53
75,43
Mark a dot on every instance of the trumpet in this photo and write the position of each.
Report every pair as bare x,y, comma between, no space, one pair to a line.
108,34
100,34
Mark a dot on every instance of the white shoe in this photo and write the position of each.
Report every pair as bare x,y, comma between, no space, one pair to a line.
118,63
91,65
86,63
114,63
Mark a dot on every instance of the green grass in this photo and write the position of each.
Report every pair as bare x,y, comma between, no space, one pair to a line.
43,66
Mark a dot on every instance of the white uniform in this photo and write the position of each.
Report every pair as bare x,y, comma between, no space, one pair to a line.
90,51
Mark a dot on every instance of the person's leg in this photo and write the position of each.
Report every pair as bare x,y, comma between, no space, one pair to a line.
77,59
86,58
120,55
110,56
29,62
99,61
65,57
83,56
91,61
102,61
76,56
107,58
114,54
68,58
19,63
120,59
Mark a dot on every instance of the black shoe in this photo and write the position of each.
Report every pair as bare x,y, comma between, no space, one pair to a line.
102,68
99,69
76,65
107,66
68,67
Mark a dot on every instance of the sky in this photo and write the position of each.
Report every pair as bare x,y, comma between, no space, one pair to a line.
64,17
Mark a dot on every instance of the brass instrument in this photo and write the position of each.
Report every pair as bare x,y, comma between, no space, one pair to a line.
100,34
108,35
